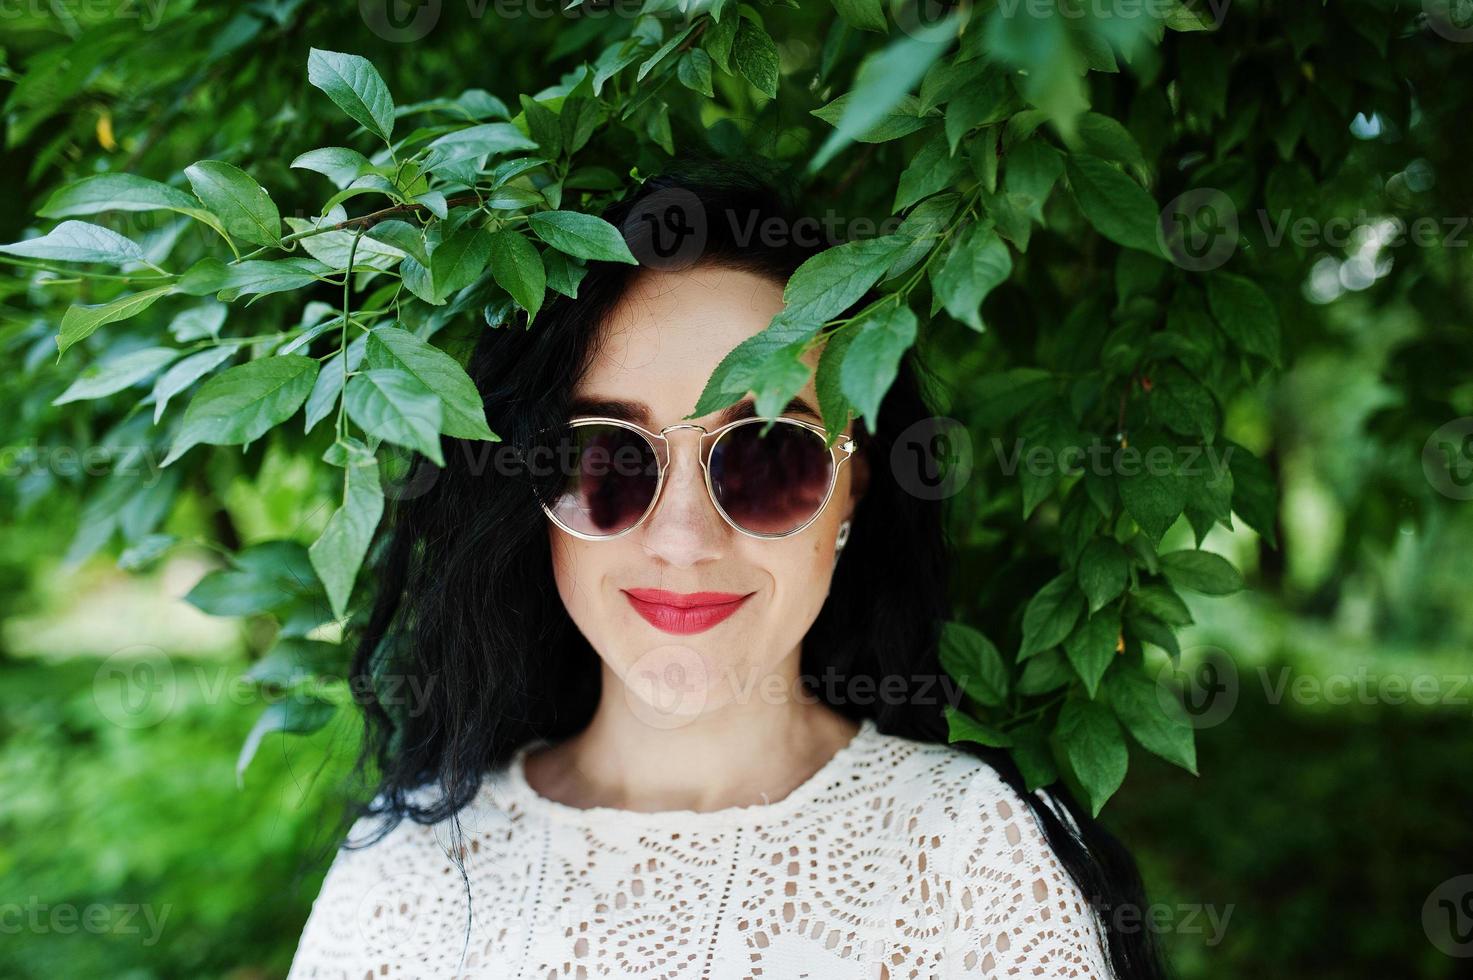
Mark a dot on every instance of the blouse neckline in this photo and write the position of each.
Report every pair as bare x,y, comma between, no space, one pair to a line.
519,790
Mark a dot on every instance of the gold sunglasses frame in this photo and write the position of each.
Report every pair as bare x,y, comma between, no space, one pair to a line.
846,445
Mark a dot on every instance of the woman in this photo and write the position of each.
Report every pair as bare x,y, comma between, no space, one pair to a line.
680,727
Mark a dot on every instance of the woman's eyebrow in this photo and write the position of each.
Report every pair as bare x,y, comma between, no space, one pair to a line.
637,411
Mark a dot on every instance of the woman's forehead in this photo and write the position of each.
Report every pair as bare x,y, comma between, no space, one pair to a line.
671,330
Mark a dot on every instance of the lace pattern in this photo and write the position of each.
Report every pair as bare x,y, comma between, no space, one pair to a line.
897,860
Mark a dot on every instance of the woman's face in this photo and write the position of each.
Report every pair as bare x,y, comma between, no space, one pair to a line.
659,347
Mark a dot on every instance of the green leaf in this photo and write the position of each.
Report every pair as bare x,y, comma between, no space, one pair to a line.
1103,572
1091,647
1245,313
110,377
296,714
186,373
739,369
293,660
338,164
1094,746
80,322
828,283
1161,602
255,277
396,407
979,261
355,86
755,55
863,15
924,227
459,261
78,241
1118,207
902,119
1201,571
1108,139
260,578
116,192
880,106
402,236
1044,673
1158,723
240,405
932,169
694,72
338,553
972,660
1031,753
477,142
1153,495
984,101
518,269
873,359
961,727
1255,491
463,411
1051,615
583,236
241,204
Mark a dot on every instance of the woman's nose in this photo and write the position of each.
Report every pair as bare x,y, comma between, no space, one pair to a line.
685,527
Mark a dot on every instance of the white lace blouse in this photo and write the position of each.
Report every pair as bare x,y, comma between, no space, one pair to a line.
898,859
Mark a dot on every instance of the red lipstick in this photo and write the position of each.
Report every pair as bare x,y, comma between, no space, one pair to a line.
684,612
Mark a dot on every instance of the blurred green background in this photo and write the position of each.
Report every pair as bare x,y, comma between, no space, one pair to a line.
1333,700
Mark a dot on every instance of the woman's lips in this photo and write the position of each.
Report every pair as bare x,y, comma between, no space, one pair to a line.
684,612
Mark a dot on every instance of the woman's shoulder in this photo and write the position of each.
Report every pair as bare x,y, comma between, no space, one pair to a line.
945,779
997,862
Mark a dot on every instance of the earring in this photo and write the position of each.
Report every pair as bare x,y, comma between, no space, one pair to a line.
843,537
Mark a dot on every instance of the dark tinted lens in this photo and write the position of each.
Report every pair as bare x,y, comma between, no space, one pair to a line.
606,477
773,483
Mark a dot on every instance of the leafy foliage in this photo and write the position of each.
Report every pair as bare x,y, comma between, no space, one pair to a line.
320,246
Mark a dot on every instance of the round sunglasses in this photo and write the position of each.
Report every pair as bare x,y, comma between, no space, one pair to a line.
765,484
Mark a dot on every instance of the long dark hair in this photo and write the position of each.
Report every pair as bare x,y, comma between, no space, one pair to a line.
465,602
